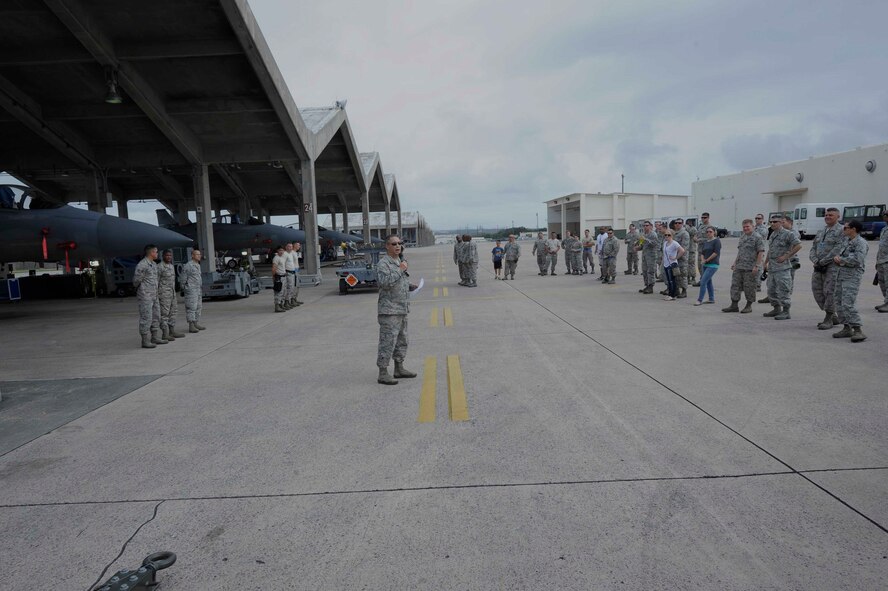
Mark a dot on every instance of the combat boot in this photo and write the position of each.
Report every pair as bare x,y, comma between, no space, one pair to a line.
733,307
157,339
683,294
165,334
627,272
776,310
610,281
765,300
385,378
191,327
146,342
298,303
882,308
844,333
748,308
176,335
784,315
857,334
277,308
648,289
402,372
199,326
827,322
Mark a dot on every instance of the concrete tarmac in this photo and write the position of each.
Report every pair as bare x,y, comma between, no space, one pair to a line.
613,441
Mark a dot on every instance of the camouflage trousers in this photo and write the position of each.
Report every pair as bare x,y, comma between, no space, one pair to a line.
576,259
824,287
509,267
659,262
568,262
882,272
279,296
743,282
610,266
193,304
780,287
392,339
632,260
169,309
460,269
649,270
292,286
589,257
542,262
692,265
845,298
681,273
149,314
553,260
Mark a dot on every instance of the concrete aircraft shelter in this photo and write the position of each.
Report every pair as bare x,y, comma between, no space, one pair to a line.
205,123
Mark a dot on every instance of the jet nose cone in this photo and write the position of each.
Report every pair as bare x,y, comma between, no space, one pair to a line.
293,235
122,237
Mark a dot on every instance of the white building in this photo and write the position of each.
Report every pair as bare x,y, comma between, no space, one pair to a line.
859,176
581,211
414,225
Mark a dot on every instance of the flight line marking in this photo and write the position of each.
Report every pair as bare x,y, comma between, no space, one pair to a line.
433,321
445,292
448,317
435,293
427,397
456,390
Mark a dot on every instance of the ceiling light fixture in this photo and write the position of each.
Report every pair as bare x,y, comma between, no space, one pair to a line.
112,97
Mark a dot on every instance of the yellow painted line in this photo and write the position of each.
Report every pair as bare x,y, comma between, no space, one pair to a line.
433,321
445,292
435,293
448,317
437,280
427,397
456,390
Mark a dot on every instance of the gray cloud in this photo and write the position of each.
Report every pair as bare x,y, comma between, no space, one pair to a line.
484,111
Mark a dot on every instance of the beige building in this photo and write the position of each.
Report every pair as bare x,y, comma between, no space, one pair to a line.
581,211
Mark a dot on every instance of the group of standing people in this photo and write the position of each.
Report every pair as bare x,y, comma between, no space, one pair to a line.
155,285
284,271
509,253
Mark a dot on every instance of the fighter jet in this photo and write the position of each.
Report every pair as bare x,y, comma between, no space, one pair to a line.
237,236
359,237
35,229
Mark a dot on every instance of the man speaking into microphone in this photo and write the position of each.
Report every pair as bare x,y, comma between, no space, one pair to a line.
392,310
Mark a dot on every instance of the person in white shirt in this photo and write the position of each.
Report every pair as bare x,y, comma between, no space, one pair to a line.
279,274
291,298
672,251
553,245
599,245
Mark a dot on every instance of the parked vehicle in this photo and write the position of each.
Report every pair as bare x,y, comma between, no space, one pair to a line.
868,215
808,217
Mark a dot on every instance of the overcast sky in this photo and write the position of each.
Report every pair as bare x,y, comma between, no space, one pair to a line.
485,109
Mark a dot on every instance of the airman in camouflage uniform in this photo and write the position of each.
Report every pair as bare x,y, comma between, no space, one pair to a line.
761,228
391,312
827,244
609,251
566,245
631,253
746,268
692,252
782,246
456,246
539,249
192,285
659,228
576,255
588,245
512,251
882,264
553,245
166,296
684,240
649,248
468,259
145,282
850,263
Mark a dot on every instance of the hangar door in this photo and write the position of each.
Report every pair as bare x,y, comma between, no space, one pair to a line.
789,201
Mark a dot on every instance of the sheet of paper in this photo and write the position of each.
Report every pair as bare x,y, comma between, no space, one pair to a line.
418,287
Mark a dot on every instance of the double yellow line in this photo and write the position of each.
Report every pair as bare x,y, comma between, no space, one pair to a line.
448,317
442,290
457,404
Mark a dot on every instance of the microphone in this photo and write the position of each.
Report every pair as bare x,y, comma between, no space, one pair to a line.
401,257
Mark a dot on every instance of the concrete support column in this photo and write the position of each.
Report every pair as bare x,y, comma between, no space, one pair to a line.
400,226
614,210
388,218
311,258
244,210
365,217
563,219
345,220
333,218
122,208
204,208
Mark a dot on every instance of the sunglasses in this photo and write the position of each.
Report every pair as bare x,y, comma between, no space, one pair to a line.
670,235
395,243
